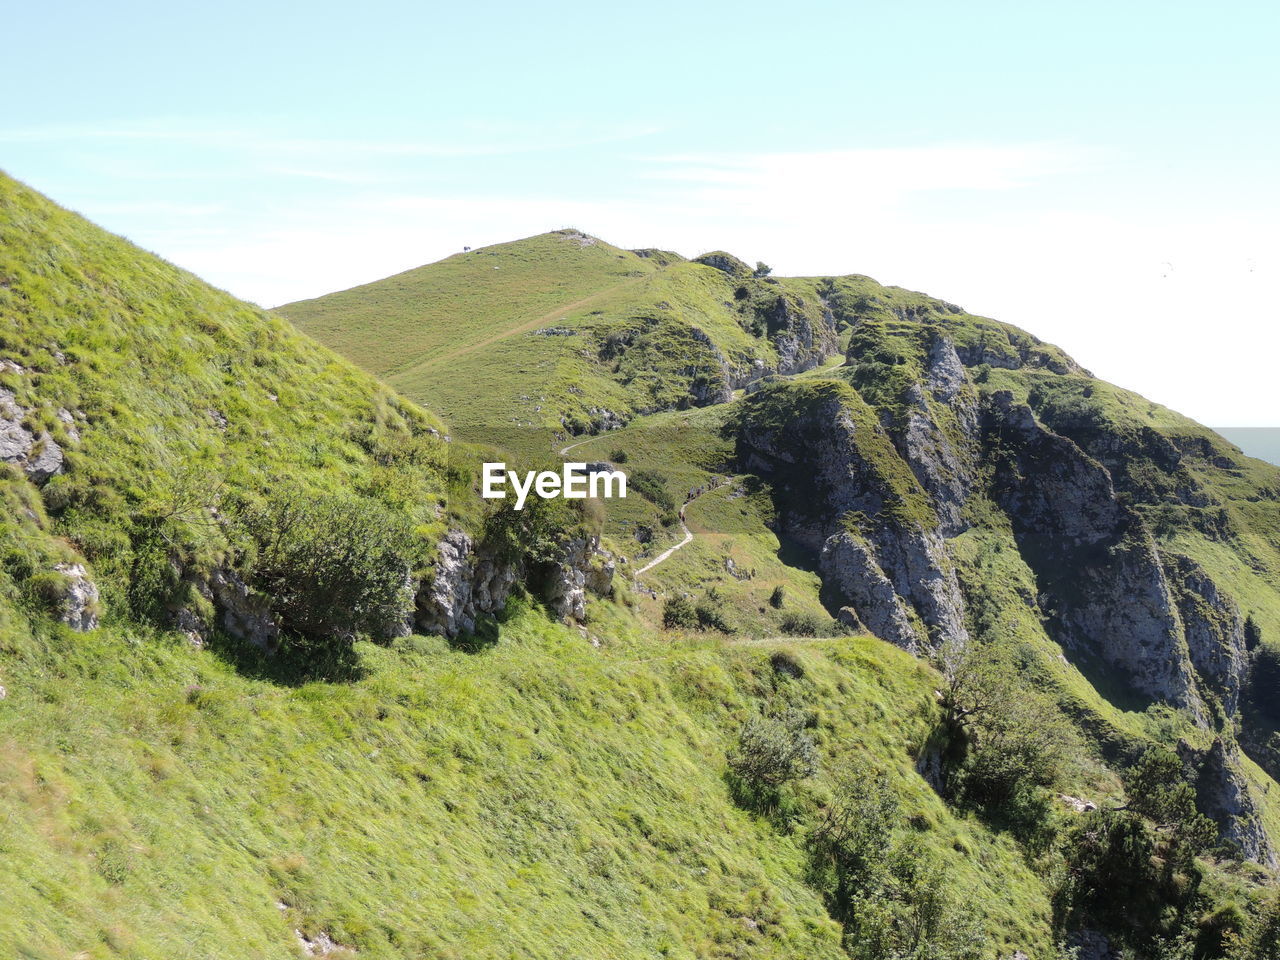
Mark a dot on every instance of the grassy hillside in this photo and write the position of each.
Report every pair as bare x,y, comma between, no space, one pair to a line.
170,791
920,393
542,799
717,759
431,314
562,332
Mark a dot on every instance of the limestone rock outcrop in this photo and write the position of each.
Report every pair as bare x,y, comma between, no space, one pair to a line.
1102,583
80,598
468,582
1224,795
244,613
1214,629
871,525
463,587
37,455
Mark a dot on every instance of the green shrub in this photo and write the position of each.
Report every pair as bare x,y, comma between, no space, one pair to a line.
652,486
17,564
1158,790
1263,686
1217,929
800,625
677,612
537,533
771,752
893,900
785,664
778,597
1111,871
709,613
335,566
618,456
1132,870
153,578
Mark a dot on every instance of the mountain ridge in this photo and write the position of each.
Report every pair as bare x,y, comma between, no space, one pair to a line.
969,652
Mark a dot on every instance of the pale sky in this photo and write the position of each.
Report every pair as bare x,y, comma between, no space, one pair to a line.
1103,177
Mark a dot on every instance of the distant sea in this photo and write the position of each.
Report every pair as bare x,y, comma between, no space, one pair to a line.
1260,442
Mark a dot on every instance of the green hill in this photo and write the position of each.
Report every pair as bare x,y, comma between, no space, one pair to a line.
564,332
276,683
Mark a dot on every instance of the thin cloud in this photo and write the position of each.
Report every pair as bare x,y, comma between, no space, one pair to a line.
258,142
877,171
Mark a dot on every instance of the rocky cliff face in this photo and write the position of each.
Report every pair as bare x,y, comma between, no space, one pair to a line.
877,485
938,437
468,583
243,613
1223,794
1214,629
1102,582
845,493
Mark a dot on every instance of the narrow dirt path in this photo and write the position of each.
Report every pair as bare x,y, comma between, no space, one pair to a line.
688,534
565,450
688,538
715,483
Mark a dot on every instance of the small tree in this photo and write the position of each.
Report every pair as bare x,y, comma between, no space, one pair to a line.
1252,633
1004,740
771,752
1158,790
850,846
762,269
1132,870
778,597
678,612
333,566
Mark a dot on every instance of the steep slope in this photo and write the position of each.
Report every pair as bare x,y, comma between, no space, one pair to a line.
1148,542
151,412
208,516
